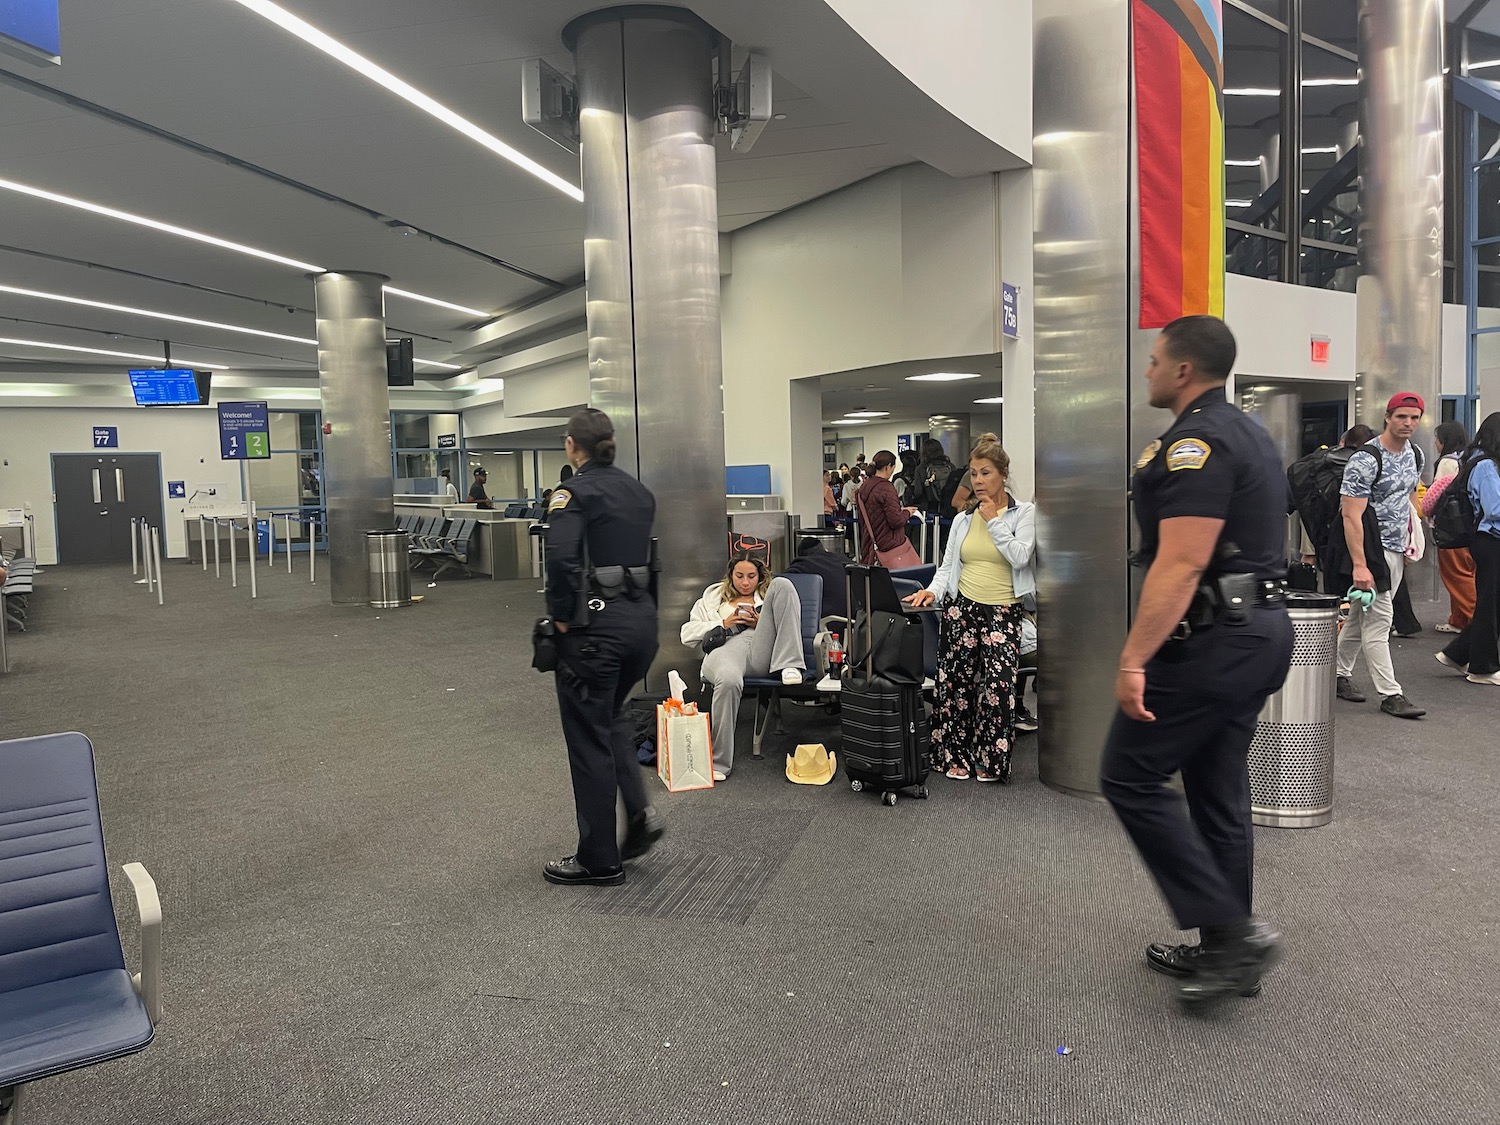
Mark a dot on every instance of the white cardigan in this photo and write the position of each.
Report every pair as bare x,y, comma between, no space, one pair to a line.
708,614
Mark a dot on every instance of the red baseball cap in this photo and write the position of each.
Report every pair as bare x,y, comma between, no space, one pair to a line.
1405,398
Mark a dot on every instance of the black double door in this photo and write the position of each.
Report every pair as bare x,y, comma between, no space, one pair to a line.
97,495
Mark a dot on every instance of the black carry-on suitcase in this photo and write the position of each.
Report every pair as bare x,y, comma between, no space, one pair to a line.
887,740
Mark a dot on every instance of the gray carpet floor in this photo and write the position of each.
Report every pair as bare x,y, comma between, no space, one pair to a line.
346,811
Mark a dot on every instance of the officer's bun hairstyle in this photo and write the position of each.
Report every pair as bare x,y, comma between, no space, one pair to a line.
1203,341
882,459
593,432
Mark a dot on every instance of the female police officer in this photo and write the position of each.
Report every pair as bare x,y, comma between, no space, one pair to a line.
1210,641
601,596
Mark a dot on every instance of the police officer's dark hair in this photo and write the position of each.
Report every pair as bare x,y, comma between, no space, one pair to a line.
1357,435
593,432
1454,437
882,459
1203,341
1487,438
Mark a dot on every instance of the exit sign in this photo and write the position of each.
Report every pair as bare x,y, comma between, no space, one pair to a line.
1320,349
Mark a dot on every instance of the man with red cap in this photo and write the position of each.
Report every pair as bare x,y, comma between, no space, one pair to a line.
1376,505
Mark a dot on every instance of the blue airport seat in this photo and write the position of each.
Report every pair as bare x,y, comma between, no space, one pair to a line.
769,690
66,998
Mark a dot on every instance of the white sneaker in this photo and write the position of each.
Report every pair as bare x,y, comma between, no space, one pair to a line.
1444,627
790,676
1492,678
720,775
1448,662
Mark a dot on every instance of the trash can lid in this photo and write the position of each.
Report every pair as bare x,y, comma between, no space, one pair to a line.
1307,599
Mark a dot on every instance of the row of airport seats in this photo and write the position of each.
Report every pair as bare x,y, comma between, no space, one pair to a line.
20,579
443,544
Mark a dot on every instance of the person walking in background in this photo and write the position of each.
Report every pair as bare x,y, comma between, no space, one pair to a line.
985,586
1376,499
1210,642
1456,564
450,490
477,495
830,501
1476,651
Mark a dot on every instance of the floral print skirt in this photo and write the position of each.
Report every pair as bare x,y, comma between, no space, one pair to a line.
973,725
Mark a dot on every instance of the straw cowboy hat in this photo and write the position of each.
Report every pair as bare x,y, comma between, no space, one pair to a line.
811,764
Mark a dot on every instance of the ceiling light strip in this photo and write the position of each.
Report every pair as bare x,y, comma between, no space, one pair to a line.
378,74
98,351
131,310
211,240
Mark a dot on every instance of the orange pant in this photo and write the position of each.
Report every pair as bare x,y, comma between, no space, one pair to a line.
1457,568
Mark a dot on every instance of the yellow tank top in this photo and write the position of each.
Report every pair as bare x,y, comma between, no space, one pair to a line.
986,576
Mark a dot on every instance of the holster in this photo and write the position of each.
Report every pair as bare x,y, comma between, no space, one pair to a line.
544,645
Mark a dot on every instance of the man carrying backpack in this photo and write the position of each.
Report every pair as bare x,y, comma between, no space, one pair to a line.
1377,513
1315,481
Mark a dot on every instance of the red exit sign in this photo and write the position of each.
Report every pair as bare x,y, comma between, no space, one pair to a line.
1320,349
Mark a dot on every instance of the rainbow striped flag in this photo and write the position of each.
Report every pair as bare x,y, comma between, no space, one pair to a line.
1179,113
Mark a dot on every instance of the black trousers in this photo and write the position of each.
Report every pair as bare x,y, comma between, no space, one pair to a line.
1205,692
1478,645
597,670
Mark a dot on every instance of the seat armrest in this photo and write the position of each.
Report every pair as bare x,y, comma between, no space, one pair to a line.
148,903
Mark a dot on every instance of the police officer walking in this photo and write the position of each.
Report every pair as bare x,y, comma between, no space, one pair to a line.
1211,640
601,595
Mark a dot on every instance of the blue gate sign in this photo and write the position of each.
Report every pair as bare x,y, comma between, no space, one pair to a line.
903,443
176,490
29,30
244,431
106,437
1010,323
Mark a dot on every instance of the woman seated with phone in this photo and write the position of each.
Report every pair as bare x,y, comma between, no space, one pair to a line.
750,624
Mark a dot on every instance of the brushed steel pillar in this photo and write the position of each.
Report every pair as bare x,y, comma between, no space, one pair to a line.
952,431
1083,314
357,485
651,265
1400,289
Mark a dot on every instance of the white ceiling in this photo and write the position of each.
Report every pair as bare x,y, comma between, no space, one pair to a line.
219,76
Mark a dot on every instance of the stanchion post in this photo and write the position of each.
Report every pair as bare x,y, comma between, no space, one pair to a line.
145,536
203,540
218,573
234,566
156,562
312,548
134,548
254,535
289,543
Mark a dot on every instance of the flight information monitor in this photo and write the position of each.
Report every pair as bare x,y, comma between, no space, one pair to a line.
169,386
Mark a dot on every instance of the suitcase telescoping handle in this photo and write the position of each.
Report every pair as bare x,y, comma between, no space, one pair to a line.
863,572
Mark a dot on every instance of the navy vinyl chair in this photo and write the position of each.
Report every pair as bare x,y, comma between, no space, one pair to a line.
769,690
66,997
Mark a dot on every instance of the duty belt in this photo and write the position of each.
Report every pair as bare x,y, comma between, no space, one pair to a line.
1227,599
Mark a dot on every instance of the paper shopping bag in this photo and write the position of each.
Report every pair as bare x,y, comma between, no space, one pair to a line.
684,747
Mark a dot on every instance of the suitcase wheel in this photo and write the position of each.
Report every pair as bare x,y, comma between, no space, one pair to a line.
857,786
922,792
888,798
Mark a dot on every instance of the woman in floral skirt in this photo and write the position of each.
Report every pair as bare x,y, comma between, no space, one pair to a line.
985,586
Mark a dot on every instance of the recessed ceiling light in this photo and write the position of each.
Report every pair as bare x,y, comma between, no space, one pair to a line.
989,401
1316,149
1242,163
941,377
779,116
99,351
357,62
211,240
1253,92
867,414
152,313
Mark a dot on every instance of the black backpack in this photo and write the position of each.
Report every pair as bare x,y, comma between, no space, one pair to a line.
1454,520
950,489
1315,482
933,479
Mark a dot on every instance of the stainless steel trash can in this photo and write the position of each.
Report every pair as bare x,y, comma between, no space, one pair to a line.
830,539
1291,756
390,574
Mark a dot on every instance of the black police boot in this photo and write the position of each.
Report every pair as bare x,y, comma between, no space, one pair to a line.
1181,961
646,827
569,872
1229,965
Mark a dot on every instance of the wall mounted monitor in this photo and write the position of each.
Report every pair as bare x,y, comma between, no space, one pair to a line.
399,369
170,386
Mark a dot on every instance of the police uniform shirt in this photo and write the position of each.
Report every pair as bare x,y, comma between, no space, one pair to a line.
1217,462
609,507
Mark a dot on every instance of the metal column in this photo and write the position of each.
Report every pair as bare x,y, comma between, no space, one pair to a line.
651,262
1400,288
952,432
357,484
1083,362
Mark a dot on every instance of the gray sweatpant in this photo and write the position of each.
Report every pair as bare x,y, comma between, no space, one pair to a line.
775,643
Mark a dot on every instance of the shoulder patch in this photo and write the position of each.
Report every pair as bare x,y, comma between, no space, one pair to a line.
1189,453
1148,454
559,500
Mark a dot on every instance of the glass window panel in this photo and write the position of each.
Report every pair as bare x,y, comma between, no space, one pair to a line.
1253,64
1487,185
1330,128
1276,9
1253,255
1329,269
410,431
1333,21
1483,54
1489,276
